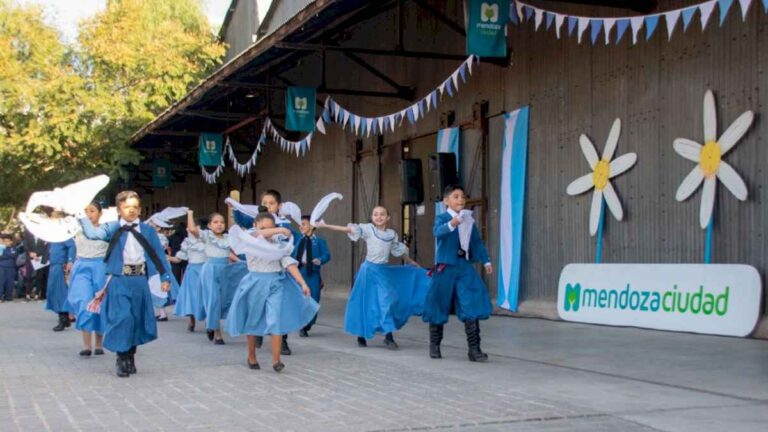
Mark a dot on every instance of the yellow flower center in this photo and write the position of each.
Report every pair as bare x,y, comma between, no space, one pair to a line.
601,174
710,157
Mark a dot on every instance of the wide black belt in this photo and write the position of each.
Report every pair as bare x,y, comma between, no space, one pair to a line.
135,270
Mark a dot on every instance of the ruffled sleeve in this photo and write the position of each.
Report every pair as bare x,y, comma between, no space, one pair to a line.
182,253
359,231
398,248
209,238
288,261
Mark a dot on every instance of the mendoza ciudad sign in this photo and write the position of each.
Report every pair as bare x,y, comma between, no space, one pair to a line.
487,27
721,299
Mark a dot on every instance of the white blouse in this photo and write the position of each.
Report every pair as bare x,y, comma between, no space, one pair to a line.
215,247
87,248
192,250
260,265
380,244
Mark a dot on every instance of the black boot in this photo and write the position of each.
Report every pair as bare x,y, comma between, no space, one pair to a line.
435,337
131,360
472,329
121,365
285,350
305,331
259,341
389,341
63,322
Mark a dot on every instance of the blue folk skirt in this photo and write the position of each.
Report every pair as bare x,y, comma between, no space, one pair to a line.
384,297
190,299
315,283
56,294
231,276
87,278
269,304
210,278
160,302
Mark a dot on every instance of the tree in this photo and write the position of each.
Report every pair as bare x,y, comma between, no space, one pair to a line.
68,111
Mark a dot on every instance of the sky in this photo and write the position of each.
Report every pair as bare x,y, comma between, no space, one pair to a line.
65,14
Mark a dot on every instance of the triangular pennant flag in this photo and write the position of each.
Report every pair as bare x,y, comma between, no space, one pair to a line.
549,18
706,12
519,9
309,140
441,88
539,18
402,115
463,73
608,24
428,99
434,98
415,109
637,24
357,124
650,26
409,114
528,12
572,21
468,62
583,24
513,14
671,18
346,119
559,19
597,25
297,147
380,120
621,28
745,4
422,107
688,17
369,125
392,122
725,6
320,126
326,116
455,79
448,88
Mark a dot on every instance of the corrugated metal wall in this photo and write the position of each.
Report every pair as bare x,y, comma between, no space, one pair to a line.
241,29
655,87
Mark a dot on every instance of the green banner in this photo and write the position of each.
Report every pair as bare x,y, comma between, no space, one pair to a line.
300,109
210,149
161,173
487,28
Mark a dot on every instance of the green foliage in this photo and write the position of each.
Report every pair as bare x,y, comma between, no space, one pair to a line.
68,111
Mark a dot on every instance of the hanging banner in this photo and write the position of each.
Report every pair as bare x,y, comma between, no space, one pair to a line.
300,109
161,173
721,299
512,207
211,149
487,27
448,142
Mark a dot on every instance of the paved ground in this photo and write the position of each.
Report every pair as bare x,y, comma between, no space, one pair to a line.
543,376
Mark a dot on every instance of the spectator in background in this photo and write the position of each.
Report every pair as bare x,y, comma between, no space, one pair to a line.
7,267
174,242
37,249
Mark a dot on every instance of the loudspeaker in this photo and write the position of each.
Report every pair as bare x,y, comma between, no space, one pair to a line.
411,182
442,173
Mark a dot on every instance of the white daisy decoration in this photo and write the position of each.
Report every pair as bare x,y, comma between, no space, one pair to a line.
603,169
709,158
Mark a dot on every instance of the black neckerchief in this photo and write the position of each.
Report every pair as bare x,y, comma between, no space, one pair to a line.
129,228
306,245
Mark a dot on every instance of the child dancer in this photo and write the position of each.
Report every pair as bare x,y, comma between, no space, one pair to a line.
62,257
272,201
383,296
134,253
311,252
189,303
7,268
267,301
159,302
88,277
217,255
455,283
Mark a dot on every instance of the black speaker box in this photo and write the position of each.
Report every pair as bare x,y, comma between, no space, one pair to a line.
442,173
411,182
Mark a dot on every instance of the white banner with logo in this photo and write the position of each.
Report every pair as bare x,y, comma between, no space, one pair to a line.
721,299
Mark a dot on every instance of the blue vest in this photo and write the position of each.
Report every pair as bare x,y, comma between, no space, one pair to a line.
319,251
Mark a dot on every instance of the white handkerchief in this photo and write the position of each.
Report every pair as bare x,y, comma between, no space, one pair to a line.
50,230
322,206
258,247
248,210
170,213
465,230
291,209
155,287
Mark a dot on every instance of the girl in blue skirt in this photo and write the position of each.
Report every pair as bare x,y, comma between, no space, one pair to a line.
267,300
62,258
383,296
217,256
189,302
88,276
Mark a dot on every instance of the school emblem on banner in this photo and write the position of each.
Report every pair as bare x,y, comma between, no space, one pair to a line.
487,28
210,149
161,173
300,109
